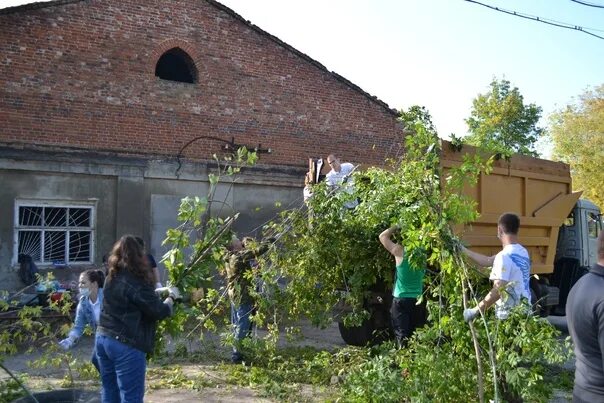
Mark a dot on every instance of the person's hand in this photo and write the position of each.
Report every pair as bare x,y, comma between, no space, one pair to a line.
470,314
169,301
174,293
158,285
160,291
67,343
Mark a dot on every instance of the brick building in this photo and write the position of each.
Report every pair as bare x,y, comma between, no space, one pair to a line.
111,111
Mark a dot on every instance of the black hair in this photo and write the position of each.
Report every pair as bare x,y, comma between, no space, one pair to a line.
95,276
510,223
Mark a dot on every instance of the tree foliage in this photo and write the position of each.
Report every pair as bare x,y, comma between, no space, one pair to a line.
501,122
324,253
38,328
577,134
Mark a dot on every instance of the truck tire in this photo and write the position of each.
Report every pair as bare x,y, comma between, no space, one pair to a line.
357,335
374,330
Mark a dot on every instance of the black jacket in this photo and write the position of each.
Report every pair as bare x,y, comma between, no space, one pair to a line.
130,311
585,316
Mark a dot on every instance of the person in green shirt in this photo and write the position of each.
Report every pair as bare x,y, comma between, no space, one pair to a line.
405,313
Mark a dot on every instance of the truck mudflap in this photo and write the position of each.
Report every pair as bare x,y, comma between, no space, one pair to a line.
552,296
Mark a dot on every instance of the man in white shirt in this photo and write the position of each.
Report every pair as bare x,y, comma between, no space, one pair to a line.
510,272
340,177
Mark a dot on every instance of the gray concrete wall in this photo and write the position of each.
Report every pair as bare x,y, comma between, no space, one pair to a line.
53,187
132,196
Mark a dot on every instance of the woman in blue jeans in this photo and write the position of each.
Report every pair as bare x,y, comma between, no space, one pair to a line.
126,331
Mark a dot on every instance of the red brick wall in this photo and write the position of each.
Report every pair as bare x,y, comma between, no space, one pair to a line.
81,75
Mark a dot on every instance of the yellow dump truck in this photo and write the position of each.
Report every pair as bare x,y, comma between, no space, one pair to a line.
557,227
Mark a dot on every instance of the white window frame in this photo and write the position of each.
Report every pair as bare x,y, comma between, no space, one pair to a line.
91,204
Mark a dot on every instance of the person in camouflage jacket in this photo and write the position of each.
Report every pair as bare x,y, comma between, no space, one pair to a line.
240,266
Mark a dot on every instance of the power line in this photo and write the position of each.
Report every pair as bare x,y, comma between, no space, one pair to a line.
585,3
538,19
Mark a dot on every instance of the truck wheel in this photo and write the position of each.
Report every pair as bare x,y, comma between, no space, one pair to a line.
374,330
356,335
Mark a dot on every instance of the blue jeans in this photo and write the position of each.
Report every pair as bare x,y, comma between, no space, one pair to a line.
242,326
122,371
95,359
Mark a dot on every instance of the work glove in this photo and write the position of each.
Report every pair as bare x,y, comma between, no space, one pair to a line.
67,343
174,293
169,291
470,314
169,302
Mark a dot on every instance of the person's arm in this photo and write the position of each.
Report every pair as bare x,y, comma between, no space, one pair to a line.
80,321
490,299
78,328
307,192
150,304
482,260
493,295
395,249
330,179
600,323
155,270
156,277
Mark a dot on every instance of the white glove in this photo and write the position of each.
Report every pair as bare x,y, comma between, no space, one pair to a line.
158,285
174,293
169,302
67,343
170,291
470,313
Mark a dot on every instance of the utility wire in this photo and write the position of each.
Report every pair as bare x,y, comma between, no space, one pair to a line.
538,19
585,3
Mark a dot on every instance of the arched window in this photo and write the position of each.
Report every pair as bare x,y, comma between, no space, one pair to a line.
176,65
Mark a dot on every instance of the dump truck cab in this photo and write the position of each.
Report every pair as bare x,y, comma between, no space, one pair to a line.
577,249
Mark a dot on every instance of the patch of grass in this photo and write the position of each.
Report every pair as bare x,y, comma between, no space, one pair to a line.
173,377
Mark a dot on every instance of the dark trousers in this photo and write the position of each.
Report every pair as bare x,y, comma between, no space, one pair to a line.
406,316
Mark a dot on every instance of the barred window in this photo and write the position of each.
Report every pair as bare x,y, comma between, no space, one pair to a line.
55,233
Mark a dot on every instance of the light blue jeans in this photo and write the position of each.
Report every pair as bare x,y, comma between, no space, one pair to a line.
242,326
122,371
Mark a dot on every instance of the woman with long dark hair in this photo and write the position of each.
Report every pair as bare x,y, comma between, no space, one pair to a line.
88,310
128,322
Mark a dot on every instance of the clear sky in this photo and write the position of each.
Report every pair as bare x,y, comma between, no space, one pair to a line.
441,53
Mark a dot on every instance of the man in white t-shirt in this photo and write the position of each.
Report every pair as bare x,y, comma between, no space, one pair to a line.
510,272
340,177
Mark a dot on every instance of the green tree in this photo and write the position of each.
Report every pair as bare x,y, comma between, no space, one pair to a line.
324,254
501,122
577,135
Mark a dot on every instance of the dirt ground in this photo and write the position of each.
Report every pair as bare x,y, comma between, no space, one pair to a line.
218,389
